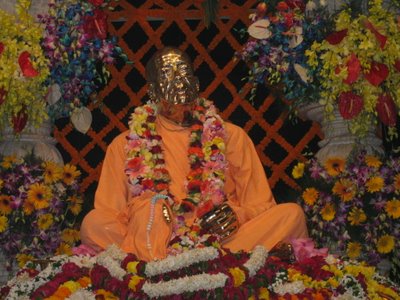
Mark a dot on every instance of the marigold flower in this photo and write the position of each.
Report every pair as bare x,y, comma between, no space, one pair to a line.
298,170
45,221
334,166
328,212
353,249
375,184
372,161
385,244
134,282
357,216
310,195
392,208
238,276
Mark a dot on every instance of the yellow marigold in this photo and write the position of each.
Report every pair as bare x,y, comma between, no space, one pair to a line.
372,161
45,221
70,236
334,166
263,293
70,173
5,204
345,189
1,183
328,212
40,195
52,172
64,248
353,250
131,267
396,182
238,276
61,293
357,216
310,195
73,286
385,244
84,281
298,170
133,283
375,184
392,208
3,223
76,204
22,259
106,294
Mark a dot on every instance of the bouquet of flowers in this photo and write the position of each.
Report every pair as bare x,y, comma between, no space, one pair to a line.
39,202
202,273
353,206
359,68
280,33
79,48
23,69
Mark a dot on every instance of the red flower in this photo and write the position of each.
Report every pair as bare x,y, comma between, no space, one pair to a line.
336,37
282,6
204,208
3,94
96,2
25,64
350,105
380,37
19,120
96,26
261,9
289,17
147,183
194,185
1,48
377,74
386,110
134,166
98,276
296,4
353,69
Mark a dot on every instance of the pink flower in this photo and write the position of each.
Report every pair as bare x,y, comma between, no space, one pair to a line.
135,167
84,250
304,248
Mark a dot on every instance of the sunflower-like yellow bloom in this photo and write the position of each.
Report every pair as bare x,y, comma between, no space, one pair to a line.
76,204
357,216
70,174
70,236
310,195
396,182
375,184
345,189
385,244
5,207
372,161
328,212
45,221
392,208
334,166
22,259
353,250
40,195
298,170
52,172
3,223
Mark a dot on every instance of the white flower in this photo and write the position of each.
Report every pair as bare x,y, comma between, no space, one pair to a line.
295,287
256,260
82,295
322,2
310,6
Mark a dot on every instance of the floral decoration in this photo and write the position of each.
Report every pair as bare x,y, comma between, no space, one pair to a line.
113,274
353,206
39,203
23,69
145,167
279,34
359,68
79,48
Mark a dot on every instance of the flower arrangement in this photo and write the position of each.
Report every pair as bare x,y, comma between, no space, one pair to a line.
280,33
204,273
78,47
353,206
39,202
359,68
23,69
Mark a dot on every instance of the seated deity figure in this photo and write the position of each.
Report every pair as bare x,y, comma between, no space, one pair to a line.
182,177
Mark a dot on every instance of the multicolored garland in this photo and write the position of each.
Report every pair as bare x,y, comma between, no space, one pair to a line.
145,166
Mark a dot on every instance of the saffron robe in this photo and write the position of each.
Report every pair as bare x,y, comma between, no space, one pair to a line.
118,218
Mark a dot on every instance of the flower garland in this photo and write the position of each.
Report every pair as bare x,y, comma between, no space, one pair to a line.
145,166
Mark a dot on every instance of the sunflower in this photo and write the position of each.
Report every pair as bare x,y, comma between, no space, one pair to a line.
385,244
3,223
298,170
5,204
310,195
334,166
52,172
28,207
8,161
1,183
45,221
392,208
39,195
353,250
22,259
328,212
357,216
372,161
70,172
375,184
70,236
396,182
76,204
345,189
64,248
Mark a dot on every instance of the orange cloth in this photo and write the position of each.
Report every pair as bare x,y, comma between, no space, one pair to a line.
121,219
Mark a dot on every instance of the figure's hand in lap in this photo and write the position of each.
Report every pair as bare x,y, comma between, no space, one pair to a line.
221,221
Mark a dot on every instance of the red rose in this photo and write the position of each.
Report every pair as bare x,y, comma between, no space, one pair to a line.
96,26
386,110
25,64
1,48
3,94
377,74
96,2
353,69
19,120
336,37
350,105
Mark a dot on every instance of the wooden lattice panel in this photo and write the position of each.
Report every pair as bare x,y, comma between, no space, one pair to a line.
145,26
